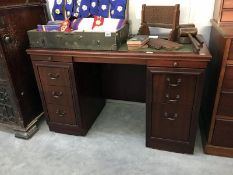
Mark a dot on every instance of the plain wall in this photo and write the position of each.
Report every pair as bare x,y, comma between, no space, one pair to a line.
198,12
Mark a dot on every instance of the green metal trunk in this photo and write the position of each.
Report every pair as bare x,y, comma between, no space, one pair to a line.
79,40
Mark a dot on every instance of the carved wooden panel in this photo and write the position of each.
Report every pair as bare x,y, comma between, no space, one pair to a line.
2,74
6,108
19,2
7,113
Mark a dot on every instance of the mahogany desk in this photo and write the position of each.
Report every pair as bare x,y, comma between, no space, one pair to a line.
74,85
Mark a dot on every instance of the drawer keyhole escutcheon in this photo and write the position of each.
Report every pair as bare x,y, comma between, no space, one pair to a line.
57,94
49,58
175,64
60,113
170,116
173,100
54,76
178,82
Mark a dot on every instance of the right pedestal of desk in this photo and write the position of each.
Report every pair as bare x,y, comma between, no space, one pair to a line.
173,102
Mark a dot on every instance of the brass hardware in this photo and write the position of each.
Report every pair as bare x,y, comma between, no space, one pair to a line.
59,36
173,100
57,94
98,43
7,39
179,80
43,43
171,116
60,113
22,93
54,76
175,64
49,58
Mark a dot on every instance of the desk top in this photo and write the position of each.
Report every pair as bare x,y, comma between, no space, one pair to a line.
123,56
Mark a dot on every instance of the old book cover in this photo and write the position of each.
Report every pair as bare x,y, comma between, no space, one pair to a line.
138,40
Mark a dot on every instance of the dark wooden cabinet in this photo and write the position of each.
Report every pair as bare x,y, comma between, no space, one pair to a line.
73,86
173,105
20,104
20,2
217,107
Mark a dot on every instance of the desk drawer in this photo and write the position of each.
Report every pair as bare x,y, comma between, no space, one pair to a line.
174,88
171,121
227,15
223,133
225,107
54,74
58,95
228,4
228,79
51,58
61,114
177,64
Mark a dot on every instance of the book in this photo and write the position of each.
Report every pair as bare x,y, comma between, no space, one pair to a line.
137,47
138,40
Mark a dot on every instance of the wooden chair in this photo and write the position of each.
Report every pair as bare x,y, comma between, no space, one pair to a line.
160,16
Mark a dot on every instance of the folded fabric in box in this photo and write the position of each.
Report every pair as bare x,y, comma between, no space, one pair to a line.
84,9
69,7
51,26
58,22
57,10
48,28
118,8
94,8
76,6
86,25
104,8
75,23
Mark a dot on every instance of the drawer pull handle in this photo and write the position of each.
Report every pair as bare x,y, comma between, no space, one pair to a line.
60,113
179,80
173,100
54,76
171,116
7,39
57,94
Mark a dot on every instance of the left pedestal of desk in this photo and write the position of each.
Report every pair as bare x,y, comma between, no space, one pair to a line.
67,108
